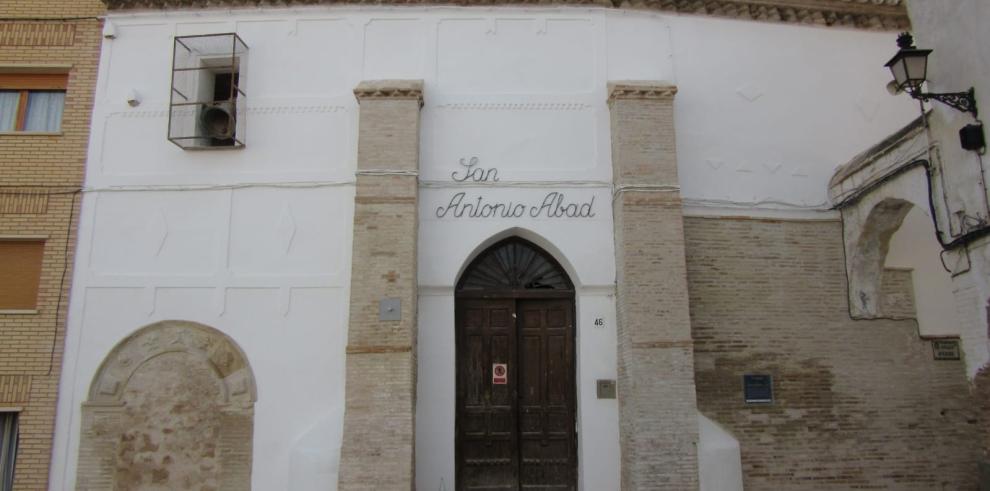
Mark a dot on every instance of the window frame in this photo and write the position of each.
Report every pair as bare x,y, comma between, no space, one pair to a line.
36,282
25,84
13,435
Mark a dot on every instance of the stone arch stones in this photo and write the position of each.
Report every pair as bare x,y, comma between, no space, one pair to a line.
874,192
171,407
868,252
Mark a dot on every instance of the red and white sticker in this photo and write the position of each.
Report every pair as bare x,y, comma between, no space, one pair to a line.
500,373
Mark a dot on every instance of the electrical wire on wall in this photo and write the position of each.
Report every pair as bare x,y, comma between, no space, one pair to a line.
962,239
73,193
61,281
50,19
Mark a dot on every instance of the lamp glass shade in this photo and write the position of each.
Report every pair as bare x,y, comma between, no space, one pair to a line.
909,67
900,74
917,67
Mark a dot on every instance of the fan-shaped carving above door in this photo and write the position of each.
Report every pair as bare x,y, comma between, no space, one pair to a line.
514,264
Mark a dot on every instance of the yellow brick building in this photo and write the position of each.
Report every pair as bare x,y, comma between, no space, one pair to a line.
48,62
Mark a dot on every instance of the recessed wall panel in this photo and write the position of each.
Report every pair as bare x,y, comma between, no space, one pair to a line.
143,63
157,233
525,55
394,49
524,138
290,231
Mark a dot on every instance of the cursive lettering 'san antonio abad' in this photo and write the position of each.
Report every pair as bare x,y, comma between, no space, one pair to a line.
554,205
474,172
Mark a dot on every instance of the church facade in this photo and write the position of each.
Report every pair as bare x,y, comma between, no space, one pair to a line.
439,247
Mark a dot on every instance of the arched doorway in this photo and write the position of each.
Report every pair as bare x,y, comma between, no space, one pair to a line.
516,403
171,406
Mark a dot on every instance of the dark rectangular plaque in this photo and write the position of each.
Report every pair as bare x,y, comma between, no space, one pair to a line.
606,389
946,349
758,388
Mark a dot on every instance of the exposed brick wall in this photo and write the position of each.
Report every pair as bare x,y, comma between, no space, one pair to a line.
859,404
897,294
657,423
981,396
51,8
378,441
31,167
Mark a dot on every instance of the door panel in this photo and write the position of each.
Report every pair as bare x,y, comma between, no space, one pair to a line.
486,414
547,449
519,435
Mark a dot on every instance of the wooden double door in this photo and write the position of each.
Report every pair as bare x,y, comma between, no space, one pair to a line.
515,394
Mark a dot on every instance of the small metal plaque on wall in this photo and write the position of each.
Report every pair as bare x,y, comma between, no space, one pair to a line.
946,349
758,389
390,309
606,389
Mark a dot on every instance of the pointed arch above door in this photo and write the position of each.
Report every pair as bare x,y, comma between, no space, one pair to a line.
513,267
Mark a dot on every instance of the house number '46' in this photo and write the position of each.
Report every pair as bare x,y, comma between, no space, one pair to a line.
599,322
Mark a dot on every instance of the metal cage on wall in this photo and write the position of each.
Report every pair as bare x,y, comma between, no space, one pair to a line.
207,104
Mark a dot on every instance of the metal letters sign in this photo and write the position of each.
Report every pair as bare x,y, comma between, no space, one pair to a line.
500,373
474,172
554,204
946,349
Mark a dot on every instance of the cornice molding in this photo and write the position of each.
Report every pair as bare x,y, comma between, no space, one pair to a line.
860,14
641,90
390,89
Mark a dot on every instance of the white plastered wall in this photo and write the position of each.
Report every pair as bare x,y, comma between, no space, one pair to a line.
256,242
958,33
914,247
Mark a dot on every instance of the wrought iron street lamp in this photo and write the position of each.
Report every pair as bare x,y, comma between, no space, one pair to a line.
910,69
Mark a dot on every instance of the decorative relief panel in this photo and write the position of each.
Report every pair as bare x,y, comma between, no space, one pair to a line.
202,343
207,27
516,55
304,135
164,233
37,34
639,48
280,48
864,14
170,405
15,388
187,301
558,139
24,202
386,59
279,232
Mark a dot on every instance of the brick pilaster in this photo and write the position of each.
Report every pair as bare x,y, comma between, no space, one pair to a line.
378,444
657,405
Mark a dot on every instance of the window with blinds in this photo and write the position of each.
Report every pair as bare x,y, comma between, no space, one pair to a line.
20,273
32,102
8,449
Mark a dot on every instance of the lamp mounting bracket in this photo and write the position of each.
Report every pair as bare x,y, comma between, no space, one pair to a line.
962,101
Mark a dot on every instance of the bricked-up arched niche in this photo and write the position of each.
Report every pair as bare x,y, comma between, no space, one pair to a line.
171,407
866,262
